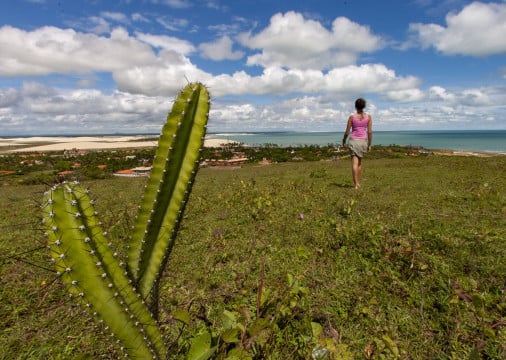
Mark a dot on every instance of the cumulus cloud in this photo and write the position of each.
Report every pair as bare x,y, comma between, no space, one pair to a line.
477,30
440,93
37,108
50,50
99,25
315,47
163,78
305,113
136,68
220,50
409,95
8,97
490,96
373,78
476,97
34,90
349,80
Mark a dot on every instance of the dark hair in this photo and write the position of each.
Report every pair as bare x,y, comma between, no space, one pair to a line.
360,104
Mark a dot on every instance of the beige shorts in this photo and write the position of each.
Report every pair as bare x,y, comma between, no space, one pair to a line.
358,147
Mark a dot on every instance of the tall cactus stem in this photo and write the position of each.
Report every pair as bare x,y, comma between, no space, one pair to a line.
168,188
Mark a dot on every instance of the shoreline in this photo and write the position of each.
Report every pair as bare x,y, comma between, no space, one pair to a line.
465,153
61,143
111,142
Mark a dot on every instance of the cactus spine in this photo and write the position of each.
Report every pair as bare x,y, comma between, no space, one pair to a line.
115,292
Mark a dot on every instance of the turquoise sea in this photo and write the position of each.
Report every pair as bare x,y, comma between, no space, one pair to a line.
468,140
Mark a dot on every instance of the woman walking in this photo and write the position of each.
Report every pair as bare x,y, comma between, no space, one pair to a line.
360,125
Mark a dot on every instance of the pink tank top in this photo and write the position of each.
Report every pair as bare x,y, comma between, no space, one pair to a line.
359,126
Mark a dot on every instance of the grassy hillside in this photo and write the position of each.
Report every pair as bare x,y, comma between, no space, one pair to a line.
411,266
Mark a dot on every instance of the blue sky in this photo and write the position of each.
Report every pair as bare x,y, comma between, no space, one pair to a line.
104,67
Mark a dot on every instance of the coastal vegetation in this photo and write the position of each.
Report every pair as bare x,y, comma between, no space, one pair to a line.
42,168
289,261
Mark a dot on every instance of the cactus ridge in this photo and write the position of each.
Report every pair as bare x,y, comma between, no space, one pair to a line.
169,185
87,264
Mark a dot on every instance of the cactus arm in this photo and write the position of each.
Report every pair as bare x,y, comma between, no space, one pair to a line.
114,292
89,268
174,168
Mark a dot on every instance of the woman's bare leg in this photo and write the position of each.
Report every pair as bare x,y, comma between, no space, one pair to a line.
356,169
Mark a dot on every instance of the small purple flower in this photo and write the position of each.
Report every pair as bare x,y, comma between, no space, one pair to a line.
301,216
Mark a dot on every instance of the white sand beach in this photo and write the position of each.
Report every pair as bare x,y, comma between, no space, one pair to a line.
42,143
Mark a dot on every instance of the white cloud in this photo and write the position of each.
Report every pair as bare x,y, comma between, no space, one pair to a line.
137,69
476,97
167,43
34,90
473,97
99,25
52,50
440,93
8,97
172,24
306,113
294,42
347,80
220,50
440,108
178,4
137,17
409,95
372,78
164,78
115,16
37,109
478,30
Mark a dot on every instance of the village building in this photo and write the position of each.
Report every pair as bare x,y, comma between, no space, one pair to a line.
134,172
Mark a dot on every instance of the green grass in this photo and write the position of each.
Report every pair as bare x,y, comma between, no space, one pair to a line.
411,266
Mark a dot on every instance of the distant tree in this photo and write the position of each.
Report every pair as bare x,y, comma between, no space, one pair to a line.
63,165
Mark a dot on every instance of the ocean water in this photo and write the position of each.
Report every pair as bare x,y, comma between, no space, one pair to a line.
468,140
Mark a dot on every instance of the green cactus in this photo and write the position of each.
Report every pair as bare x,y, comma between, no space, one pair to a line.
174,168
89,268
114,292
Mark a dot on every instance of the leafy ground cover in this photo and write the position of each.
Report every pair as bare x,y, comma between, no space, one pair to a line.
288,261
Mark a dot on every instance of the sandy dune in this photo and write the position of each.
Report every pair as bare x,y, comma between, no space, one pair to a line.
40,144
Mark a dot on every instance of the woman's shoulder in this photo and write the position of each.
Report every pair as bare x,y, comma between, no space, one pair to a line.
362,116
